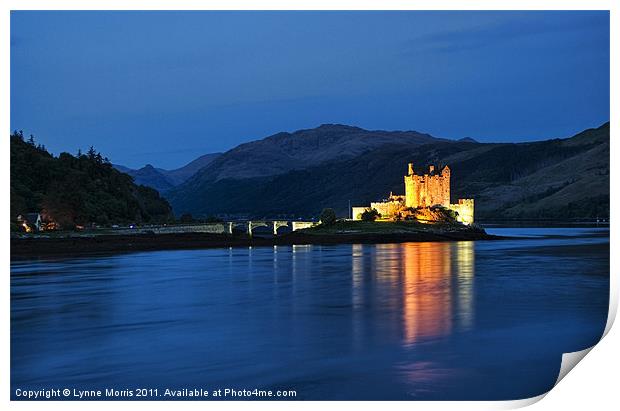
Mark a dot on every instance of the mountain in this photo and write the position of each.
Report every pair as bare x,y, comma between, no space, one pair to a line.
298,174
179,175
277,154
122,169
151,177
78,190
163,180
283,152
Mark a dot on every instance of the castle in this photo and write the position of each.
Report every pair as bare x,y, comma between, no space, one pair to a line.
422,193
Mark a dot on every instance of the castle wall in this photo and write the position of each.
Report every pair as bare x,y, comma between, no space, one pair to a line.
465,210
356,212
387,209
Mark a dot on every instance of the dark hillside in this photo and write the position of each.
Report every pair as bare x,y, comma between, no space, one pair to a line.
77,190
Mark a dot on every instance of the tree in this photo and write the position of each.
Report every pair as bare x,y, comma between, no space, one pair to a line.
328,216
370,214
91,153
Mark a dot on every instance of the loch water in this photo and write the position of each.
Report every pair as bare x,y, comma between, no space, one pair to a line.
480,320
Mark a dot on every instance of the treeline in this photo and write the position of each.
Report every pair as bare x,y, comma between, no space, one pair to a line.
78,190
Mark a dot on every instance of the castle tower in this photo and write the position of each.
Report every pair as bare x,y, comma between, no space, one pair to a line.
445,195
428,189
412,188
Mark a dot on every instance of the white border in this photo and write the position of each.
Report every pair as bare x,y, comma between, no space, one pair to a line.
594,383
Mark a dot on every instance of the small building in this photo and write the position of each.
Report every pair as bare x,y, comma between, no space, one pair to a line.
356,212
30,221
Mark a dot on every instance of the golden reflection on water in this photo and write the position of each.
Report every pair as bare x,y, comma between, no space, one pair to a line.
430,284
465,270
427,303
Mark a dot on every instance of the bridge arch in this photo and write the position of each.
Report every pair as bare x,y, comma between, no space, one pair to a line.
277,224
253,224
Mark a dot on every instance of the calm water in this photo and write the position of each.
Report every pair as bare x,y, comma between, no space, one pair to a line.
463,320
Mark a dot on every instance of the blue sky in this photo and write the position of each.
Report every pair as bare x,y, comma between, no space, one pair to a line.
166,87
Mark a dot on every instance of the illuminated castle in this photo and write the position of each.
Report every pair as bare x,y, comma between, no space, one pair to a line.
422,192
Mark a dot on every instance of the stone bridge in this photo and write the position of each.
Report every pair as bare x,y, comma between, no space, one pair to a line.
250,225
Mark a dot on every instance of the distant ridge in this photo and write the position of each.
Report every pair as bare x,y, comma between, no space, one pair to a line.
150,176
283,152
163,180
179,175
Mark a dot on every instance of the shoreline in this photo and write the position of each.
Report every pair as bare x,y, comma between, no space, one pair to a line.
33,247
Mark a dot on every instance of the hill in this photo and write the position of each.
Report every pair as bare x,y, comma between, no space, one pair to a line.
298,174
163,180
180,175
78,190
151,177
284,152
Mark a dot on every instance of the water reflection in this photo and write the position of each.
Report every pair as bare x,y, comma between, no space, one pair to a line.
465,270
392,321
427,303
430,284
